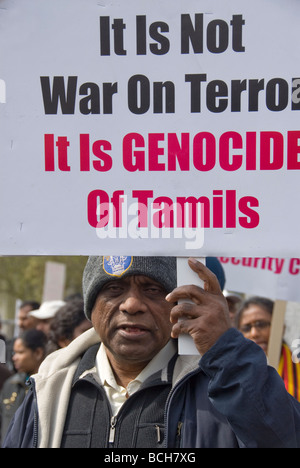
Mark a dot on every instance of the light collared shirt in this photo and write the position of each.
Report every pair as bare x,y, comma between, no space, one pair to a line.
117,395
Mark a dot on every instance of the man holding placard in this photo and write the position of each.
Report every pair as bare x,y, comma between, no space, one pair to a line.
135,391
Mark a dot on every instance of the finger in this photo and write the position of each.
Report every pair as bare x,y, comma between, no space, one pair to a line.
211,282
183,327
190,293
186,310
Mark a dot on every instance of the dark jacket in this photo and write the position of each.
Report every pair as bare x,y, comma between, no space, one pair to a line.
4,375
231,398
11,398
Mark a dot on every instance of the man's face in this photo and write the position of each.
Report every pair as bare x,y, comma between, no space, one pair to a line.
132,318
26,321
44,325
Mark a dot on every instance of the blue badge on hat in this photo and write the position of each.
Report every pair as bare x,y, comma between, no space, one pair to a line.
116,266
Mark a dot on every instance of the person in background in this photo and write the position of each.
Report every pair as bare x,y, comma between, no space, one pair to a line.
25,320
234,302
29,353
45,314
254,321
69,322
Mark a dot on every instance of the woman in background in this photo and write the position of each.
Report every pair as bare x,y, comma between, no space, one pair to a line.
254,321
29,353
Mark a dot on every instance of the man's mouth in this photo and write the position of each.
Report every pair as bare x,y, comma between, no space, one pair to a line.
132,330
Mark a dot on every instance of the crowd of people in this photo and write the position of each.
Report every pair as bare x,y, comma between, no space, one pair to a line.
50,326
43,328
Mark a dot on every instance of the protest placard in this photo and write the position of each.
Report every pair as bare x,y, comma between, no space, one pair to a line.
277,278
149,127
54,281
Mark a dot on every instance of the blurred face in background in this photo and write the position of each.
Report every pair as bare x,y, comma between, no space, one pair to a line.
25,359
26,321
44,325
255,324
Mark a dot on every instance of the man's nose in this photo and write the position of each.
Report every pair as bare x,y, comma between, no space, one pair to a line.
133,303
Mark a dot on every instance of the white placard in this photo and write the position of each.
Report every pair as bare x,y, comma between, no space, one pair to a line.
277,278
54,281
186,276
119,119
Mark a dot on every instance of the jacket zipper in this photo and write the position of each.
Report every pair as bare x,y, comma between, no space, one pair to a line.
114,420
112,431
168,404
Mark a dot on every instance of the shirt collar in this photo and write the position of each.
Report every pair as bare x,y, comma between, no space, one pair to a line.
159,362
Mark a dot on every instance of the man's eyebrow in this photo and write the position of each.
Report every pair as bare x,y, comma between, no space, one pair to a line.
116,282
153,283
150,282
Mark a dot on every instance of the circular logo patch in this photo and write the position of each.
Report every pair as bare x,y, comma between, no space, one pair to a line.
116,266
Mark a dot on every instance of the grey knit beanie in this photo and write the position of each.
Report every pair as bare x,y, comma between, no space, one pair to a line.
100,270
